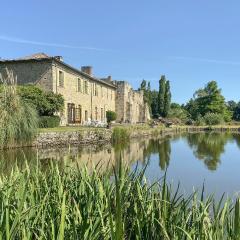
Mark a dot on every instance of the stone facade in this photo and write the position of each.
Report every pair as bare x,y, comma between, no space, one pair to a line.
130,105
86,97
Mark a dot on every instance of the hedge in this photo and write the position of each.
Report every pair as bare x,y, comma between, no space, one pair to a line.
49,121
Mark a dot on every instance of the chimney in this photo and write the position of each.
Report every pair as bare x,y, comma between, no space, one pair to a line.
87,69
59,58
109,78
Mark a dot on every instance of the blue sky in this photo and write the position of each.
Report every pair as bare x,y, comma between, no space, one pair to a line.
191,42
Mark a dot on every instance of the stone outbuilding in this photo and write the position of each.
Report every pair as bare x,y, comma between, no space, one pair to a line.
86,97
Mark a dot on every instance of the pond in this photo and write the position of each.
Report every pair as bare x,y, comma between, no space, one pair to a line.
190,158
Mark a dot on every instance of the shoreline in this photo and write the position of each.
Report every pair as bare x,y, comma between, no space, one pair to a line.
90,136
82,136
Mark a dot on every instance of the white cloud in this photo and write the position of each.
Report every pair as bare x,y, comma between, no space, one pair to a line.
204,60
24,41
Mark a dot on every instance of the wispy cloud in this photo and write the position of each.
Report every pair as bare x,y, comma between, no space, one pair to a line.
58,45
207,60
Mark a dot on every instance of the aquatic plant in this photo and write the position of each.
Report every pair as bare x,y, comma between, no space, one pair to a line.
73,203
120,135
18,119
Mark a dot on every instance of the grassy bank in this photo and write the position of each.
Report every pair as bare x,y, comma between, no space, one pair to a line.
76,204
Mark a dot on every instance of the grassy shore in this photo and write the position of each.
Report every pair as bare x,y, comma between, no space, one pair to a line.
76,204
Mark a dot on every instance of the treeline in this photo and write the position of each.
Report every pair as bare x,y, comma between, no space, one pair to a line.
206,107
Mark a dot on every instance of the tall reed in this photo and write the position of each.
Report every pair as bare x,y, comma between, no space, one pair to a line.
75,204
120,135
18,119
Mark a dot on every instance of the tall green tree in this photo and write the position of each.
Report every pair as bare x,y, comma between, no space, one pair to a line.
208,100
167,99
154,103
146,88
161,94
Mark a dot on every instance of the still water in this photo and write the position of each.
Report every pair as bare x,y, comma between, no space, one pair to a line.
191,159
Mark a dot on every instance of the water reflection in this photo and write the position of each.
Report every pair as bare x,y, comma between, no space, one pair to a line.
207,147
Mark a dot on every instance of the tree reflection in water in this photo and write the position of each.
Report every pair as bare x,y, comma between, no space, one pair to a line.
162,147
209,147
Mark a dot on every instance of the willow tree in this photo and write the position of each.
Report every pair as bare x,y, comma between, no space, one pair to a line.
18,119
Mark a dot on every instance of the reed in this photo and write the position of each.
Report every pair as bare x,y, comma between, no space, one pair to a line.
18,119
120,135
74,203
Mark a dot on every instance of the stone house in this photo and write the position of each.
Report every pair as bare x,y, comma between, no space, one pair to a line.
86,97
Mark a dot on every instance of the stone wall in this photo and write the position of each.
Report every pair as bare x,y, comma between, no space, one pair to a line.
30,72
82,137
93,104
130,106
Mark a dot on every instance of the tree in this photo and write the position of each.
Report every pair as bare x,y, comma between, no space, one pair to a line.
177,111
111,116
167,99
236,112
161,94
208,100
146,88
154,103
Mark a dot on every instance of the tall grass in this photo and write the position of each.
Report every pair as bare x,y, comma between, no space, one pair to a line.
120,135
75,204
18,119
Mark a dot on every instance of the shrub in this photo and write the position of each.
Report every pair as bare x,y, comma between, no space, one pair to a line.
111,116
18,118
200,121
46,103
49,121
213,119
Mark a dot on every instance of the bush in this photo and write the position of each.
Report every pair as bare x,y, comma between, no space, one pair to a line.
46,103
213,119
111,116
49,121
200,121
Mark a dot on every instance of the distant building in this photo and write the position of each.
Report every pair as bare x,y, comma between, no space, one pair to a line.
86,97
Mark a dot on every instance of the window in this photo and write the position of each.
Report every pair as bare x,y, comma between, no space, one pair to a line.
96,113
61,79
86,115
86,87
79,85
102,115
96,90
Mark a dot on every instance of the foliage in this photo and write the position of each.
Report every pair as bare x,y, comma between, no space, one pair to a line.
213,118
176,111
146,88
235,109
161,94
49,121
46,103
167,99
76,204
111,116
208,100
164,97
120,135
154,104
18,118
